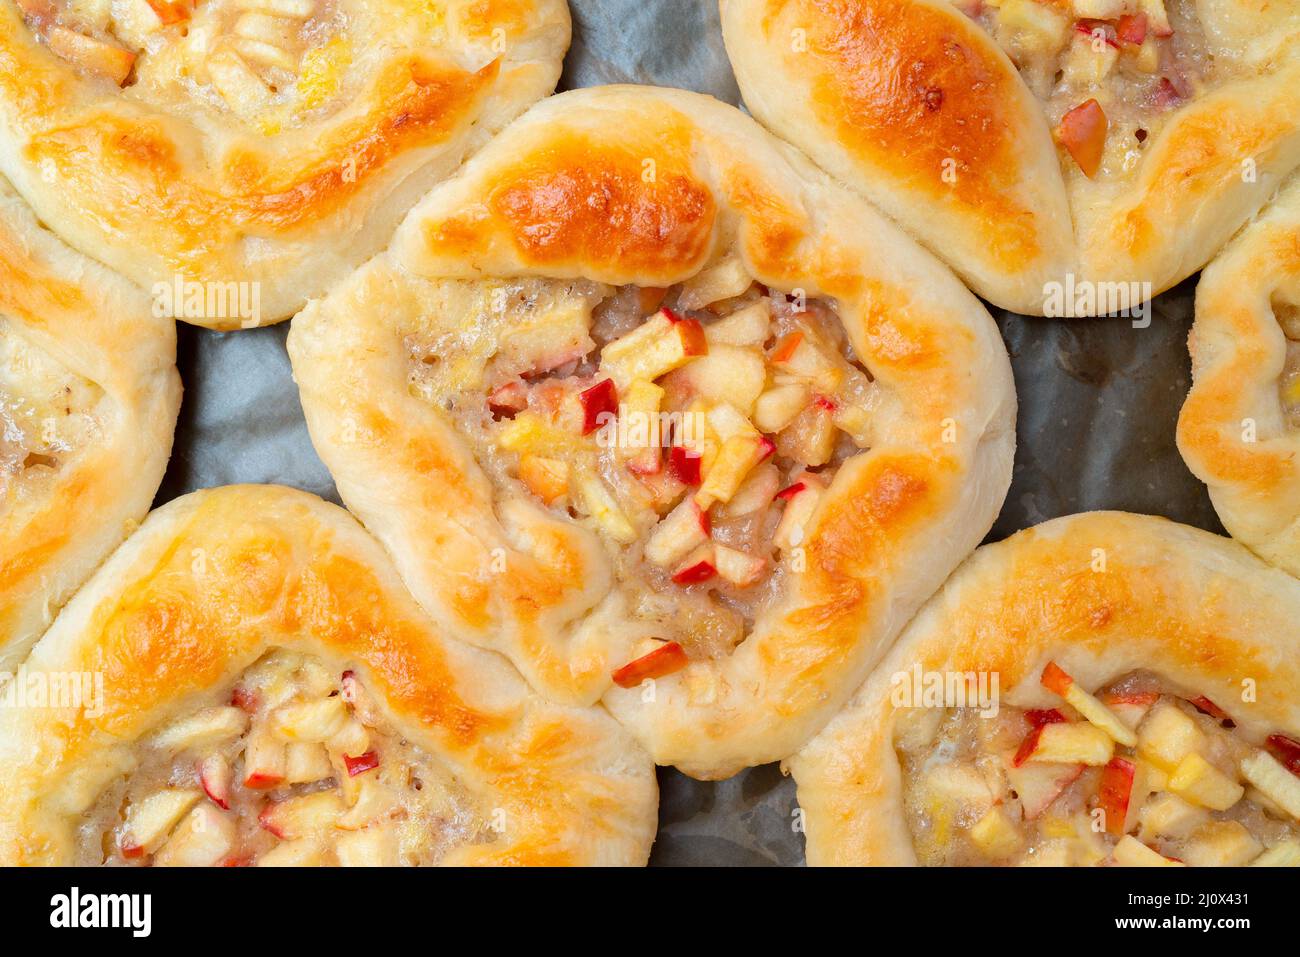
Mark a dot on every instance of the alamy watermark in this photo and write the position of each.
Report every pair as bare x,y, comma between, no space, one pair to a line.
79,690
1082,298
945,689
206,301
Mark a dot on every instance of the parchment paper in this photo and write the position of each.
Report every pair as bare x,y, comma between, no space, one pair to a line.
1098,404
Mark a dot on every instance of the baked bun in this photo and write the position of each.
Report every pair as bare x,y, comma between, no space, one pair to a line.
1101,689
255,149
646,402
1239,430
88,402
1066,157
259,688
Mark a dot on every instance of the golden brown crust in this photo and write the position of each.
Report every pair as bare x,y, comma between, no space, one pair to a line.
162,183
1233,431
214,580
99,328
912,103
634,185
1102,594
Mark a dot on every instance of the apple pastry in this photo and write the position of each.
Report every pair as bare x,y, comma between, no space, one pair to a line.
1066,157
1103,689
238,156
1238,428
88,402
647,403
269,694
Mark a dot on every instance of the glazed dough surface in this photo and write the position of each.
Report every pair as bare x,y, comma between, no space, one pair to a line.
88,402
265,147
550,253
240,621
1104,596
1238,427
964,120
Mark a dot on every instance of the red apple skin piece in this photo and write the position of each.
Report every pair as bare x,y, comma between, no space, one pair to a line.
684,465
238,860
1083,134
1055,679
215,778
1090,27
596,401
1132,28
263,782
659,663
1037,717
132,851
694,574
361,763
1206,706
1131,697
786,346
244,699
1286,750
508,399
765,449
791,491
1114,793
690,332
1027,746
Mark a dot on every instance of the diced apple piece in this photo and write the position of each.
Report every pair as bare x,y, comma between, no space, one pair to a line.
375,801
810,438
749,326
796,353
682,530
203,839
150,820
739,455
599,503
664,660
1130,707
316,720
640,413
373,847
856,421
1157,17
546,478
1099,9
204,729
306,852
958,783
800,506
726,280
1132,29
1167,735
996,835
1274,780
1116,792
216,778
297,817
1056,680
1073,743
780,405
105,59
306,762
1082,132
756,492
1220,844
731,374
1283,854
599,405
266,54
728,422
264,760
241,88
508,399
684,465
697,567
737,567
1169,816
1200,782
1038,785
656,347
1130,852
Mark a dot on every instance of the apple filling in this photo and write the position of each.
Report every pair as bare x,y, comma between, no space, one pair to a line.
298,769
247,56
43,416
1288,317
1110,72
1134,775
694,428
